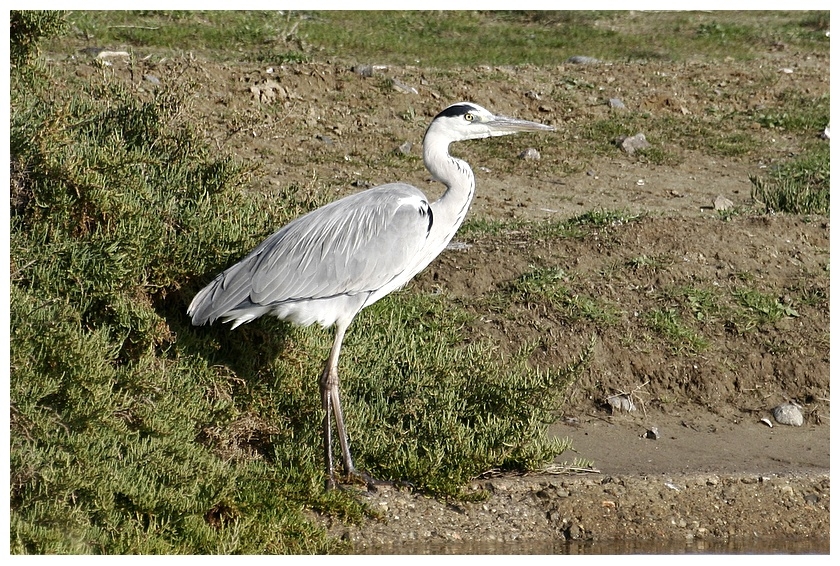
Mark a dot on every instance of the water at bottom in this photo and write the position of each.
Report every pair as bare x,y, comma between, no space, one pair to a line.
620,547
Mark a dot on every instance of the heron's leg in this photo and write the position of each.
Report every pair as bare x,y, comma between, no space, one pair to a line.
326,403
349,469
331,402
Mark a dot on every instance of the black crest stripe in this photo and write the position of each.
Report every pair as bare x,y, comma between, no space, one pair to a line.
456,110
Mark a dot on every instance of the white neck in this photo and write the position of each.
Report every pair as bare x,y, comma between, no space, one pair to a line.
450,209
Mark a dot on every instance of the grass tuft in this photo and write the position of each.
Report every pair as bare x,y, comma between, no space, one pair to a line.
438,412
669,324
760,308
800,186
552,286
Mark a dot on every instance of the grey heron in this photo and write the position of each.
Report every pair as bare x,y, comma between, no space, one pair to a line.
329,264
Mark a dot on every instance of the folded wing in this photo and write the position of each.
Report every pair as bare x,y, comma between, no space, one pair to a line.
333,258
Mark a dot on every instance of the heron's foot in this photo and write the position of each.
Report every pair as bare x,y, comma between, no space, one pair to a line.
359,477
356,477
372,483
353,477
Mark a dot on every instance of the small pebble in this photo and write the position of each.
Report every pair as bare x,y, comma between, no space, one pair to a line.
812,498
723,203
530,153
363,70
788,414
458,246
621,402
632,143
582,60
402,87
91,51
112,54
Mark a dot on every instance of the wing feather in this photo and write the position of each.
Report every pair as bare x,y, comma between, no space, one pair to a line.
354,245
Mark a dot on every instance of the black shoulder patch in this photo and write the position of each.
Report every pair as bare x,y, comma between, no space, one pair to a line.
456,110
427,210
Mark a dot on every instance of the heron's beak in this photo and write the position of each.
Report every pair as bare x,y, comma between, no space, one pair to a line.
502,126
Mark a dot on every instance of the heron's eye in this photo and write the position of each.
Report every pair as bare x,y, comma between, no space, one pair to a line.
469,117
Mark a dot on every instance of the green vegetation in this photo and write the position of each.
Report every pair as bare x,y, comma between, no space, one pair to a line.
681,338
603,217
584,224
444,42
796,112
551,286
800,186
759,308
116,205
438,413
454,38
27,29
703,304
537,38
575,227
227,34
744,309
132,431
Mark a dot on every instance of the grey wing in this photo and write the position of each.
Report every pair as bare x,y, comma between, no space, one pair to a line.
353,246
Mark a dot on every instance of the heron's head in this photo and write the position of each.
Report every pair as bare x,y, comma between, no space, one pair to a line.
468,121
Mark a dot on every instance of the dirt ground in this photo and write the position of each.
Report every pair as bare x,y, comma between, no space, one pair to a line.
717,476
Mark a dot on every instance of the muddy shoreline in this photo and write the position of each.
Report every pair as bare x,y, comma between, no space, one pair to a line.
709,484
559,514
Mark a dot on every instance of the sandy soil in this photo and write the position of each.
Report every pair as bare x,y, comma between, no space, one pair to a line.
716,472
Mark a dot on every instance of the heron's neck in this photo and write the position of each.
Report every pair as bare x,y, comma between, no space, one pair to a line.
451,208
